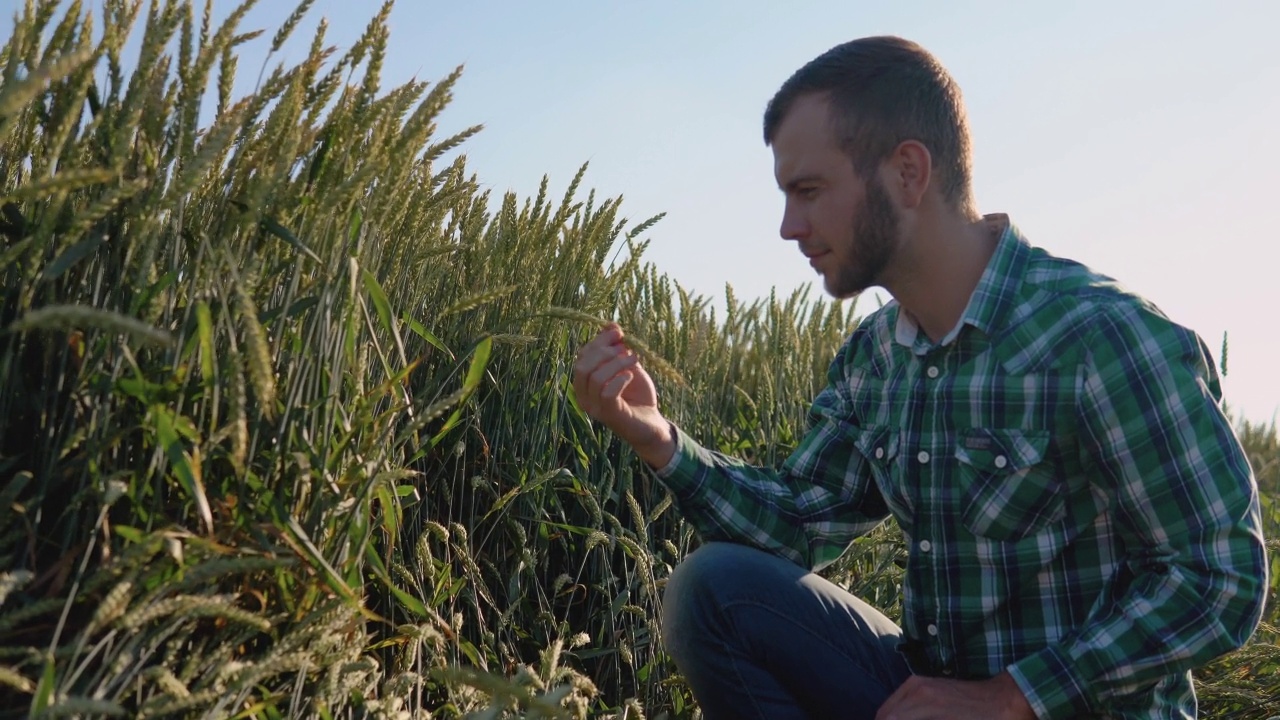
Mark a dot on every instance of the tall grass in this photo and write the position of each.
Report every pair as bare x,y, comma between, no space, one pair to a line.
286,427
285,412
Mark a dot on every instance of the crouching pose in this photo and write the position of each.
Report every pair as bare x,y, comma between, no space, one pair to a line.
1082,524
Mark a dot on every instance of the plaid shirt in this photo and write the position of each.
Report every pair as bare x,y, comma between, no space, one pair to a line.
1077,508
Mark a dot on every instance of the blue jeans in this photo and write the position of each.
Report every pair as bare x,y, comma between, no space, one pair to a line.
757,636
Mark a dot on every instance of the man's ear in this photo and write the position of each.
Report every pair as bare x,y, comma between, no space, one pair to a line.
908,172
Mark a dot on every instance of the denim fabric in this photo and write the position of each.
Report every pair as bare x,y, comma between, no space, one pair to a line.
757,636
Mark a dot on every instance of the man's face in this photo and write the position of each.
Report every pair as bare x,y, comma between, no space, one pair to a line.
847,227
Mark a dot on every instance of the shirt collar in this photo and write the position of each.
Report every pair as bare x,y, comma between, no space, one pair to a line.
995,294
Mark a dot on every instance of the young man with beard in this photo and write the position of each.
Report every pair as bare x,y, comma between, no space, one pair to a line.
1083,527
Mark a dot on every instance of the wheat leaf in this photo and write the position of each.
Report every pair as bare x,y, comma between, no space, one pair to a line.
72,255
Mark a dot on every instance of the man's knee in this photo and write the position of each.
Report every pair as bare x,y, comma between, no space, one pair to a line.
708,569
708,579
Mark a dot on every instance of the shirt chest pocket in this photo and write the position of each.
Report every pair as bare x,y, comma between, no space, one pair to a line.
1010,489
879,446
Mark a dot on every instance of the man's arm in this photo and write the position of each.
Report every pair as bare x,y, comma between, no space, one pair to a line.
823,498
1186,510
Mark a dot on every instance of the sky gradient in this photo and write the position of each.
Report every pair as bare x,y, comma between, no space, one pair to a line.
1138,137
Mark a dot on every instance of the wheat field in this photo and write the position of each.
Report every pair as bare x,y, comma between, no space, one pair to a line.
286,425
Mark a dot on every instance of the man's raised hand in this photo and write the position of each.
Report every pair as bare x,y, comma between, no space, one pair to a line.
614,388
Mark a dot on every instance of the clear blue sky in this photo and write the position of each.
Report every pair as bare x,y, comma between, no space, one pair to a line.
1138,137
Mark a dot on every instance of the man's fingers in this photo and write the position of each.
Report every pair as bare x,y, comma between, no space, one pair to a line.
613,389
597,353
603,374
597,365
603,346
610,335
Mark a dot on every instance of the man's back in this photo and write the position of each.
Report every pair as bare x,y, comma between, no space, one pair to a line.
1056,464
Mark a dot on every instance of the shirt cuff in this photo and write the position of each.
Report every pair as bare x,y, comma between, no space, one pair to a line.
665,471
1050,685
685,472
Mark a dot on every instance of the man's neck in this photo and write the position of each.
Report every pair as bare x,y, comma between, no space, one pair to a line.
939,268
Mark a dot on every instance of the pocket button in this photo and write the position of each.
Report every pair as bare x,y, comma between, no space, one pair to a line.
1001,461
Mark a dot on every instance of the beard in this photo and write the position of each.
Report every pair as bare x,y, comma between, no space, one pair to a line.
872,242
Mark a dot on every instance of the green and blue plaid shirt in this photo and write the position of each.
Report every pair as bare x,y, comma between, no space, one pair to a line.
1077,507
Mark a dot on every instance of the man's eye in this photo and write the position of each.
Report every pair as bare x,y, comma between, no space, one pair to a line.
808,192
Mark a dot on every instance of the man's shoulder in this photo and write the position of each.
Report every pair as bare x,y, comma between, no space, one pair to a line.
1056,276
1063,305
1070,287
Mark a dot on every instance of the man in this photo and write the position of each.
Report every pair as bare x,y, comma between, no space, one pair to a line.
1083,527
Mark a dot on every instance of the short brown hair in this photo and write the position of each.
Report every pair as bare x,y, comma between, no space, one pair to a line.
883,91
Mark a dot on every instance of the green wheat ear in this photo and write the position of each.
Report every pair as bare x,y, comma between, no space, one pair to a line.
651,359
72,317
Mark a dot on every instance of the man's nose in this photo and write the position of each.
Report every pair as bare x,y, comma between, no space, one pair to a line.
794,226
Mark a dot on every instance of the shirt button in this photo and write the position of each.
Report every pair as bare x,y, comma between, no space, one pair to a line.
933,629
879,453
1001,461
923,457
925,546
933,371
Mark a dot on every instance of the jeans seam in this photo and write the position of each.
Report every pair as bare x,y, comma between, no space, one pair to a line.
742,681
